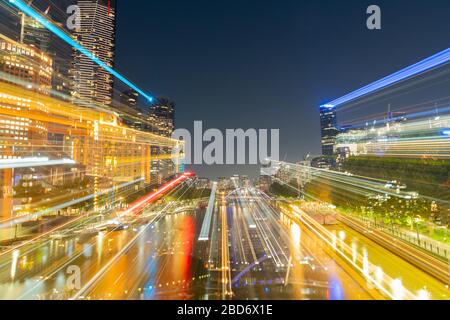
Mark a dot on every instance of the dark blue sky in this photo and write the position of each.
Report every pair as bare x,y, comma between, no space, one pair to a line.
269,63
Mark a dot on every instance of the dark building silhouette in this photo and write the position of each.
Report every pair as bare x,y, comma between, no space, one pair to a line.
129,98
34,34
162,115
162,118
329,129
130,113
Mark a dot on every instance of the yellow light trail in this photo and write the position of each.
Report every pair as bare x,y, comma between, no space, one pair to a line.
346,253
225,264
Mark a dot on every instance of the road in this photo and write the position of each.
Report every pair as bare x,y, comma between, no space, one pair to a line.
255,251
41,268
410,276
167,263
162,252
275,261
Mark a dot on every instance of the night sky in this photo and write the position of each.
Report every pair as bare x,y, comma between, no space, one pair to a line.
269,63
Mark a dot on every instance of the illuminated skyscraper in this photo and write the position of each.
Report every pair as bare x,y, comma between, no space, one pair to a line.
34,34
25,65
162,114
29,67
129,111
162,117
329,129
96,34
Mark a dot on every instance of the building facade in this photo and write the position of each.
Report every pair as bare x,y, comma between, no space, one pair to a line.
32,33
21,67
162,118
130,113
129,98
329,129
25,65
162,114
91,83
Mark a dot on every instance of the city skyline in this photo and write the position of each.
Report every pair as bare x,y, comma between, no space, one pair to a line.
271,114
304,68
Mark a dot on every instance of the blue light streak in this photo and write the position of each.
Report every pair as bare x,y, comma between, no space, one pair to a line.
336,292
250,267
428,64
19,4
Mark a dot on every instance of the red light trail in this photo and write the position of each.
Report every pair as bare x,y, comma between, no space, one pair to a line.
140,203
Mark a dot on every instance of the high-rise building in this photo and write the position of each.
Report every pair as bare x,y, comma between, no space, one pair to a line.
96,34
329,129
162,118
162,115
25,64
9,25
28,67
129,98
34,34
129,111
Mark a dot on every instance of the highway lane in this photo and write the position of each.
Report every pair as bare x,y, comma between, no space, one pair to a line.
290,264
42,271
261,254
402,279
438,268
160,265
168,263
39,268
411,277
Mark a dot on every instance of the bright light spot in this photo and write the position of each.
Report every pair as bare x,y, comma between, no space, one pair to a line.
397,289
423,294
333,238
354,252
365,262
379,275
15,257
296,233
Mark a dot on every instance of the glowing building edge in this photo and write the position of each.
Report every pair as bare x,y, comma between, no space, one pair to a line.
32,162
